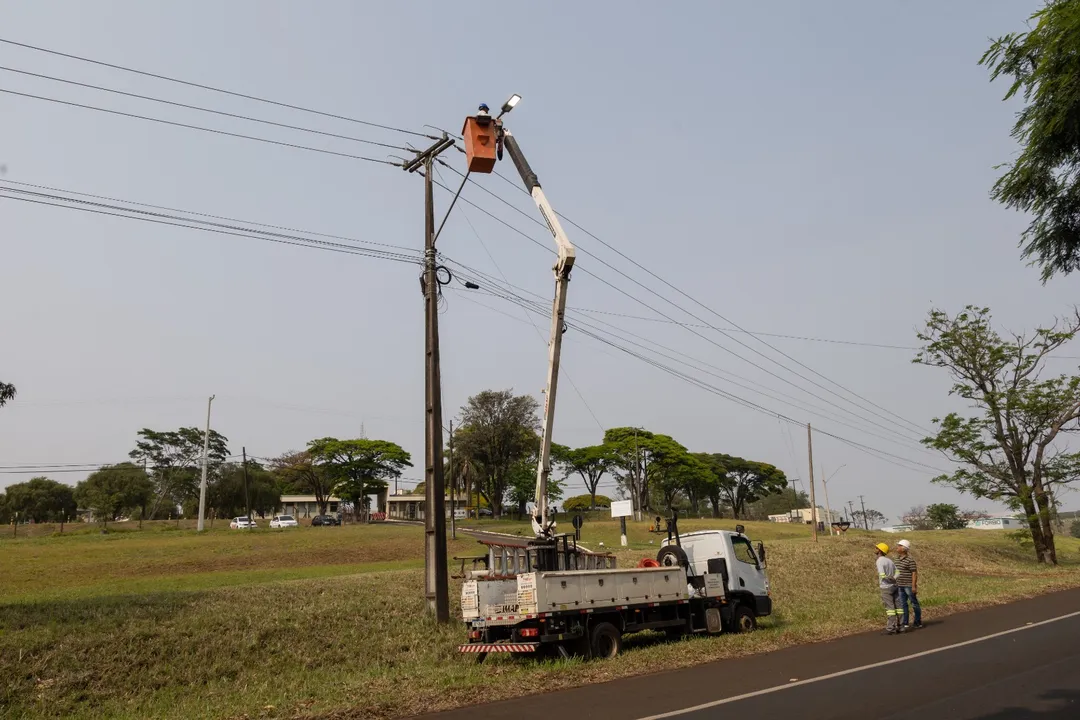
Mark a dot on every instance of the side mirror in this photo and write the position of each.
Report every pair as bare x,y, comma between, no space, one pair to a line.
761,552
740,529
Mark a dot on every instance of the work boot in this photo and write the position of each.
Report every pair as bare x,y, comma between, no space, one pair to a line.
889,632
919,626
903,628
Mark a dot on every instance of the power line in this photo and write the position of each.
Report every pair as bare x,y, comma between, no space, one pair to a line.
200,128
686,327
905,463
799,404
207,215
214,89
203,109
654,344
694,300
306,242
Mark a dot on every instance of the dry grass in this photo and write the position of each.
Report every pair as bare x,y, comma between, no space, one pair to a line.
223,635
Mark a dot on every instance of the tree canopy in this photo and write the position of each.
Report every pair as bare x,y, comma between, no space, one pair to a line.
1007,448
297,472
747,481
41,500
590,463
498,430
1044,180
359,467
945,516
175,460
7,393
114,489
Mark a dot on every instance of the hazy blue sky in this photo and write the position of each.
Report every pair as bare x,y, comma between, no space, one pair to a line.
814,169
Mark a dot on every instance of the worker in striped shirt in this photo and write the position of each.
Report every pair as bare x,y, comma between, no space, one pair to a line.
887,582
907,580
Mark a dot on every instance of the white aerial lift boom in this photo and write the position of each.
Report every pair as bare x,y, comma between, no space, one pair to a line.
543,524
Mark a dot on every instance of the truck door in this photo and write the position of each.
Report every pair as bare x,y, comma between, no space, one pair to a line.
747,575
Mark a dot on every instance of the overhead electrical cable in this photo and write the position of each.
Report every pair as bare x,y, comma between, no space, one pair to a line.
211,88
200,128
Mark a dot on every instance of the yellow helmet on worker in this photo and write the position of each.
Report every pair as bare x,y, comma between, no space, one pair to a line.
882,548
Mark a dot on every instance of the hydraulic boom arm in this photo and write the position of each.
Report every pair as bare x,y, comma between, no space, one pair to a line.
542,523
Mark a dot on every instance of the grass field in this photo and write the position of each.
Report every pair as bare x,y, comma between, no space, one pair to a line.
329,622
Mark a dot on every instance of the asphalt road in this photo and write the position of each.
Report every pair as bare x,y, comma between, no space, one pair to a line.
1012,662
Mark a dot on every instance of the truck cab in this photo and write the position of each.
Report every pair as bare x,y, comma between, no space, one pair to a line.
729,554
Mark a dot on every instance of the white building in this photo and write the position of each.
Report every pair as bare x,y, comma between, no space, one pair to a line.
305,506
411,507
804,515
997,522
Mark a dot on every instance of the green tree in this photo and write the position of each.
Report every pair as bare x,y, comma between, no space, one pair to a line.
944,516
1007,450
1074,529
41,500
747,481
175,459
590,463
630,449
7,393
297,472
1044,181
522,484
578,503
359,467
229,497
113,489
497,431
869,519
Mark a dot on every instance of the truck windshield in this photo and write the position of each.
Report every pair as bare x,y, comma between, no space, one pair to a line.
743,552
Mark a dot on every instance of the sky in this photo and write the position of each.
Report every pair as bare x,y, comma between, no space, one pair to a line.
804,169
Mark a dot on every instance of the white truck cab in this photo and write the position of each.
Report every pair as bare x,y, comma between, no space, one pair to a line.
729,554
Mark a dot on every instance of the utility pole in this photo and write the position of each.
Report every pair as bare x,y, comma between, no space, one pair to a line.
247,498
828,511
205,462
813,504
453,483
436,586
865,522
851,510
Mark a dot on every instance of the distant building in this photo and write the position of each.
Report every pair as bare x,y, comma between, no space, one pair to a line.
1003,521
898,528
806,516
411,507
305,506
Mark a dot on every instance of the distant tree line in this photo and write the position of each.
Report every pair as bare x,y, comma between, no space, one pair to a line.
494,463
496,455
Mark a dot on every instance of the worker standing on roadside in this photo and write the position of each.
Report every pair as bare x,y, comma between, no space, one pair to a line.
887,582
907,580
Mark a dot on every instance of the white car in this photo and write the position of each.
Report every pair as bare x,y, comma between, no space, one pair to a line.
242,523
284,521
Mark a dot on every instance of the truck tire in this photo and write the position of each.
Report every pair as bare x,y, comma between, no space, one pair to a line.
672,556
605,641
744,619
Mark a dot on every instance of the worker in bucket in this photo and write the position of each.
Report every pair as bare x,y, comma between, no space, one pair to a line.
907,580
889,592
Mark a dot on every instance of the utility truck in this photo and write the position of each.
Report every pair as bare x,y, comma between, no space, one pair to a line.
549,593
576,602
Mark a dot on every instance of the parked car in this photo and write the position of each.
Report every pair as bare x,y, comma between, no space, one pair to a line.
283,521
242,523
324,520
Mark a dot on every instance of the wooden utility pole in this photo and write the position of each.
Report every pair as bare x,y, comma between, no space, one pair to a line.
436,583
865,522
851,510
813,504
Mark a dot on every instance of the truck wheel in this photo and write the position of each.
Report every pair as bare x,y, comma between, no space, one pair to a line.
745,620
672,556
605,641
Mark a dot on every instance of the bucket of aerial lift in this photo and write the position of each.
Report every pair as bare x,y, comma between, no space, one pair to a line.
479,134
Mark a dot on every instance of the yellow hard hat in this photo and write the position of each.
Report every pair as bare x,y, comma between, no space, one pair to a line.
883,548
